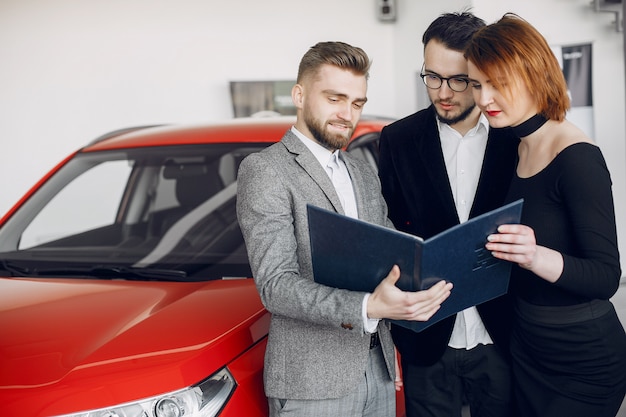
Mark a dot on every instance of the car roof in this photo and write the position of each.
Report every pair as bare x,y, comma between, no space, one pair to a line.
243,130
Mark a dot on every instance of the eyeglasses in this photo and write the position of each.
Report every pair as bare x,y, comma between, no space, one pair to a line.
457,84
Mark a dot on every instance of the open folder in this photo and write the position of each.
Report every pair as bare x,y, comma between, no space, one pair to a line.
356,255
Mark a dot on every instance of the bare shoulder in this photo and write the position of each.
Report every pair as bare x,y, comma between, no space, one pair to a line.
567,134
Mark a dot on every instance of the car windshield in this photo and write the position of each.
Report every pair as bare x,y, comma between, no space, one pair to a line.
164,213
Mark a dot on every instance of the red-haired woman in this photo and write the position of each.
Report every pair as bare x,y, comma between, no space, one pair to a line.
568,345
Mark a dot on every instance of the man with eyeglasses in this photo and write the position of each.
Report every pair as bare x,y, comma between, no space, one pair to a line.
440,167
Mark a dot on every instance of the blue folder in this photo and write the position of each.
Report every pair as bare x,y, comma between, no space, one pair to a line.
356,255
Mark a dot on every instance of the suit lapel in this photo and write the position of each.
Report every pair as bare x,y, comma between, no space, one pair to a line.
498,167
311,165
358,185
430,156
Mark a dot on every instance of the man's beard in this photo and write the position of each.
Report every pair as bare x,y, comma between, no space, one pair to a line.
464,115
323,137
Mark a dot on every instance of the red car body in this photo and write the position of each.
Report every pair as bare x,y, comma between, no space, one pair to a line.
83,336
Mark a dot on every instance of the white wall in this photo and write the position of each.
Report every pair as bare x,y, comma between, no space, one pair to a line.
74,69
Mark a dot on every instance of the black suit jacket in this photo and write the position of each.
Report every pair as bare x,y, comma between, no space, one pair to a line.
417,190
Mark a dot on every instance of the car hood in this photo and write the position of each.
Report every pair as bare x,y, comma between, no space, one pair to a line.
56,330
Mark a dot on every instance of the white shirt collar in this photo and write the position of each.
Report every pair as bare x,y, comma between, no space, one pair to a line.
322,154
482,122
341,179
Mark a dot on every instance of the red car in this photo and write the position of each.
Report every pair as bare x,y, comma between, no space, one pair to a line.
124,280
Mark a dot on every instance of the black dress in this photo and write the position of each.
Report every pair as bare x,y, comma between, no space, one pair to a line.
568,345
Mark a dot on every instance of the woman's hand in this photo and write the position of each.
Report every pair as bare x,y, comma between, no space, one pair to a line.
516,243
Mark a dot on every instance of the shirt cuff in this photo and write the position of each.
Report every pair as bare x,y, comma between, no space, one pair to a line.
369,325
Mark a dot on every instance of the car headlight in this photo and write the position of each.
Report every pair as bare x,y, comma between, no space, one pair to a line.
205,399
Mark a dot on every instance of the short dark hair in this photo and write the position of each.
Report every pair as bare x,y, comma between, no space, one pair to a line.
338,54
453,30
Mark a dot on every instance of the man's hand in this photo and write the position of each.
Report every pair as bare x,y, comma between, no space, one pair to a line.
398,381
389,302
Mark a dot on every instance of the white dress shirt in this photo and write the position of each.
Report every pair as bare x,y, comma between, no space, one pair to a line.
464,159
338,173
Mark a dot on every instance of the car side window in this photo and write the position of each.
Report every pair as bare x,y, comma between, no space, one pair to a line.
366,148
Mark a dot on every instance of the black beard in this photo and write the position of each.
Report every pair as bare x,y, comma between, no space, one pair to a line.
459,118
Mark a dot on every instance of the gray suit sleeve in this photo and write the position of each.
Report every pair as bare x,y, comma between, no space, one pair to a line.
271,208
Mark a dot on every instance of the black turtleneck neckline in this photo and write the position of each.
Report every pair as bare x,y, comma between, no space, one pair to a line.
529,126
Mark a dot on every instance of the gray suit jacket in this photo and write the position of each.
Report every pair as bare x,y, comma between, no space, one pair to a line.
317,347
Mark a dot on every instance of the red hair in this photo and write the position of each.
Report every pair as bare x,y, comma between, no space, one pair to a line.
513,54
